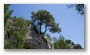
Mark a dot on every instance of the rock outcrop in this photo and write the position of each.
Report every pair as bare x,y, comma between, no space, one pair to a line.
75,46
36,41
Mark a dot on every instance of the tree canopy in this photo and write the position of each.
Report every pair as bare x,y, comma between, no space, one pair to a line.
44,18
79,8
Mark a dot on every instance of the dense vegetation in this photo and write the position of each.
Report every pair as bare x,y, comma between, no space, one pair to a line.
61,43
15,29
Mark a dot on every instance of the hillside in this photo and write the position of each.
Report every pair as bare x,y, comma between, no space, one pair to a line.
27,34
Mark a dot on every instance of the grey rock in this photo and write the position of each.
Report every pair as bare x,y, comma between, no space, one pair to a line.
36,41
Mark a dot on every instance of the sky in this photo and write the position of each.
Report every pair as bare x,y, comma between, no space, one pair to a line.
70,21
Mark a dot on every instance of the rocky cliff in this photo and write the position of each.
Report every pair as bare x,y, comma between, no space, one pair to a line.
36,41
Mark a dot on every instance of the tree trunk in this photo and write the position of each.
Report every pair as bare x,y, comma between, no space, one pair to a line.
45,29
40,28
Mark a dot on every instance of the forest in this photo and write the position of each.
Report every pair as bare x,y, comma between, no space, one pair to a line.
20,33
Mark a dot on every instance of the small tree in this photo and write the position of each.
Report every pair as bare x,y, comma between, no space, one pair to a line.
60,43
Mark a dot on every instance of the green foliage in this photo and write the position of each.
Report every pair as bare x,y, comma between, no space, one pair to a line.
20,34
55,28
68,41
8,44
28,22
54,39
7,13
6,7
61,37
60,43
43,17
19,31
16,27
72,43
68,47
79,8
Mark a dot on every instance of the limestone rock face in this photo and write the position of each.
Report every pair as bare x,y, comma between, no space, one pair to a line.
36,41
